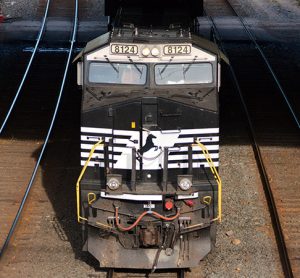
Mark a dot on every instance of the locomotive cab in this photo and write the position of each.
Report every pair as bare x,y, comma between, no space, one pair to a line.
149,188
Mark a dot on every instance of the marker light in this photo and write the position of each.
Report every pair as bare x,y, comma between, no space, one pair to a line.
155,51
185,184
169,204
146,51
189,203
113,184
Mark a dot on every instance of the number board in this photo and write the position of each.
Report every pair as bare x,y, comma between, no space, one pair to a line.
124,49
183,49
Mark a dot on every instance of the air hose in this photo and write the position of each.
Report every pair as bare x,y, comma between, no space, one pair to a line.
150,212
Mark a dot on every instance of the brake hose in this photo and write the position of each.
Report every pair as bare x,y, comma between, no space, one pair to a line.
156,214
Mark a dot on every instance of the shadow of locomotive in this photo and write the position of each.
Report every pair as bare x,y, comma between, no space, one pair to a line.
61,167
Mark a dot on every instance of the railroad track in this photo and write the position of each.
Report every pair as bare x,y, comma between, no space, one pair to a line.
29,122
41,32
63,9
272,120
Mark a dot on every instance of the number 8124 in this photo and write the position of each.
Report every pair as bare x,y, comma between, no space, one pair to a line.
177,49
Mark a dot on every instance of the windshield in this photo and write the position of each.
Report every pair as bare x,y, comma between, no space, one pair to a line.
116,73
168,74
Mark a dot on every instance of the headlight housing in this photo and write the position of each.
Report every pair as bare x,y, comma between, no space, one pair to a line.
185,182
114,182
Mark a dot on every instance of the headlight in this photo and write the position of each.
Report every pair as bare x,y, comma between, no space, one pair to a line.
184,182
113,184
146,51
155,51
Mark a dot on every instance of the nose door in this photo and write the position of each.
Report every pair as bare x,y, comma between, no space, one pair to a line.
149,113
135,126
151,154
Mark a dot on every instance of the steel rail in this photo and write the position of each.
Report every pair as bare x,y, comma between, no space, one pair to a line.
29,186
41,32
262,54
281,245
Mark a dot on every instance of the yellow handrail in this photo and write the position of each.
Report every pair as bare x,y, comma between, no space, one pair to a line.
79,217
216,176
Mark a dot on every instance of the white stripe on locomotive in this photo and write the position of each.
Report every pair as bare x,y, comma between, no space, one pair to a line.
170,165
154,158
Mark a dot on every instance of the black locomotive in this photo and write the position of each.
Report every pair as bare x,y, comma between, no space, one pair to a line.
149,193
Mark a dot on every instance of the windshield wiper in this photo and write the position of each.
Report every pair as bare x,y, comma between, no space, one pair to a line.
94,95
166,65
113,66
136,67
188,67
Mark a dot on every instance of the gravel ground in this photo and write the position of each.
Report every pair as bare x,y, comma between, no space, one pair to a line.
96,8
29,9
270,10
267,10
26,9
245,242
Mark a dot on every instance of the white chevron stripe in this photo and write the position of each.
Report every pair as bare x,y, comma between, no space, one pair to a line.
92,163
171,157
195,156
177,149
128,132
167,138
195,131
92,138
97,155
96,130
170,165
89,147
195,148
191,140
209,139
185,165
143,197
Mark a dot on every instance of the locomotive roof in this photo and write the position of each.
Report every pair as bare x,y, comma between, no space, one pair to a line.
151,36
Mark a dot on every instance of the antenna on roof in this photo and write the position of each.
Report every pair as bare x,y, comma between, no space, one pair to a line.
150,32
119,32
180,33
